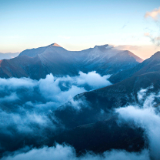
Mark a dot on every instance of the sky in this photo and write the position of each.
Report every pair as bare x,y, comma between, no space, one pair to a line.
80,24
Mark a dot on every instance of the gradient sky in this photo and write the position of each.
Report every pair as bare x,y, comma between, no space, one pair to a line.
78,24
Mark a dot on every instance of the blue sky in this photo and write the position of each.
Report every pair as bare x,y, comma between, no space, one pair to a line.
76,24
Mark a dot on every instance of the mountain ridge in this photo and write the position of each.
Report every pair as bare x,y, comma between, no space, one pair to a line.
149,65
57,60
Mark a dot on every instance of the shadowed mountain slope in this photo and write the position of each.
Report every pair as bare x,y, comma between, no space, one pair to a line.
96,121
104,135
99,104
148,66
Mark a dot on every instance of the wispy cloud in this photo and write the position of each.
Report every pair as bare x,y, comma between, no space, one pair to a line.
128,47
153,14
154,39
146,116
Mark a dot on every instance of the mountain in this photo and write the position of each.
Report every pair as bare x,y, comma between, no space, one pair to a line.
8,55
51,48
119,94
95,126
99,104
96,122
103,135
151,65
37,63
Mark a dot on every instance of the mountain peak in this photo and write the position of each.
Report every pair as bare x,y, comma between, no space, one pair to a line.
103,48
157,54
129,53
55,45
105,45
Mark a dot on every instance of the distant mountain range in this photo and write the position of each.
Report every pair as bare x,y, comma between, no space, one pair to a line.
8,55
37,63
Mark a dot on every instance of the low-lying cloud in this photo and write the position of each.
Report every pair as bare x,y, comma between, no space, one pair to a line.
147,117
27,118
27,106
64,152
52,89
9,98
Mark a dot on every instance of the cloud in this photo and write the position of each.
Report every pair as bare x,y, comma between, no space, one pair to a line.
14,83
9,98
76,104
48,93
93,79
154,39
60,152
31,122
22,123
49,88
153,14
128,47
146,116
142,95
27,106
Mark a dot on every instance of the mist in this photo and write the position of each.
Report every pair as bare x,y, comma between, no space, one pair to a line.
27,106
60,152
146,116
31,118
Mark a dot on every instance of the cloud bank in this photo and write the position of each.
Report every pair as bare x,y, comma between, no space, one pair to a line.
64,152
27,106
146,116
51,89
27,115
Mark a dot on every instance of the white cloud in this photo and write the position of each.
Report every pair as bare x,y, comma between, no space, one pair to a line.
141,94
64,152
22,122
153,14
14,83
147,117
9,98
34,112
93,79
49,87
